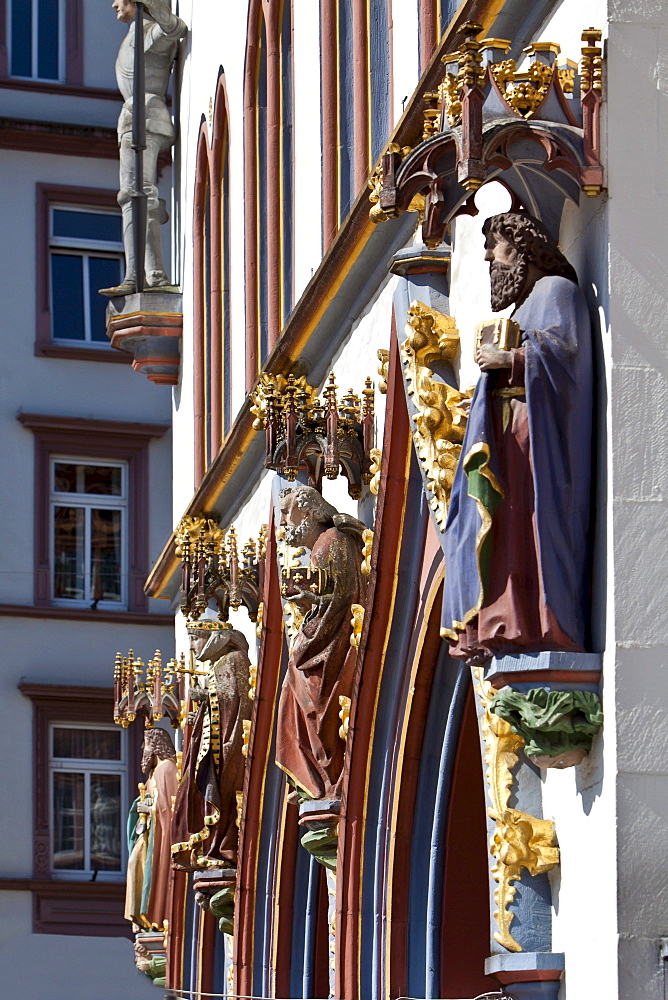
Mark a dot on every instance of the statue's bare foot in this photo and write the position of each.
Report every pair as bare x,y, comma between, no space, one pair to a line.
125,288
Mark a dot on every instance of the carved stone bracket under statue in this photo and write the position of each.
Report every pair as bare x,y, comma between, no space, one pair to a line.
149,326
321,822
214,892
552,700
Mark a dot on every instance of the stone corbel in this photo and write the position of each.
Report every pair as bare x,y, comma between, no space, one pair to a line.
149,326
552,701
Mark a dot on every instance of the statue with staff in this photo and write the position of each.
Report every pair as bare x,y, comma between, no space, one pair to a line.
145,130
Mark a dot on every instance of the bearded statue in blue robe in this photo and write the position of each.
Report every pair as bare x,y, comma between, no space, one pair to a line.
517,537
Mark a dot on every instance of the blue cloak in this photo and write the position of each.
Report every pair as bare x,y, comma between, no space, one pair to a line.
556,337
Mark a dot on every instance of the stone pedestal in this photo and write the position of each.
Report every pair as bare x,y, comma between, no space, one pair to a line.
528,975
565,671
149,326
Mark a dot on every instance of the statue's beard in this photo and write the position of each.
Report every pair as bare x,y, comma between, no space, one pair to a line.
296,534
507,282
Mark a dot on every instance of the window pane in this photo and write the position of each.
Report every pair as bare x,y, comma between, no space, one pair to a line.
103,272
64,477
21,37
47,39
106,555
86,744
87,225
102,479
105,822
68,570
68,821
67,296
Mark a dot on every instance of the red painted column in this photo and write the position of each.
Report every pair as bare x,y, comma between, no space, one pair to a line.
360,95
428,31
329,106
250,192
273,179
201,193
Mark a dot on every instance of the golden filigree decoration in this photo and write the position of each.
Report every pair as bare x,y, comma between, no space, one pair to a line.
524,90
566,71
367,547
431,114
376,180
240,807
195,531
344,715
591,64
450,96
259,621
471,69
252,682
376,456
270,389
246,723
356,623
520,840
383,370
440,420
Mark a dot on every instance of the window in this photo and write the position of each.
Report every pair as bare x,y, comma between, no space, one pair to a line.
89,801
84,771
79,251
91,514
88,529
37,39
86,250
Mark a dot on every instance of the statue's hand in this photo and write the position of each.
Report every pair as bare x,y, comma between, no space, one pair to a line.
143,809
489,357
304,599
198,694
161,12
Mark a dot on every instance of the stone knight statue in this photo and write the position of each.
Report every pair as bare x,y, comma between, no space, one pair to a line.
322,660
517,538
162,33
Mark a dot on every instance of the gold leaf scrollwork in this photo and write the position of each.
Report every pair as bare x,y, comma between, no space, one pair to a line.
344,715
293,617
383,370
252,682
367,541
246,723
523,91
376,456
259,621
356,623
520,840
441,420
240,806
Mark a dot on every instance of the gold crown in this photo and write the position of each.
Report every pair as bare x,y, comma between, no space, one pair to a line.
205,625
